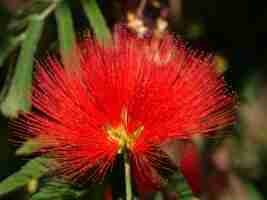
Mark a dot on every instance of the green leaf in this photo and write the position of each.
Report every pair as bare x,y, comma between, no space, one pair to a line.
58,191
33,169
96,19
253,193
66,35
158,196
18,96
13,32
28,147
8,45
178,184
66,32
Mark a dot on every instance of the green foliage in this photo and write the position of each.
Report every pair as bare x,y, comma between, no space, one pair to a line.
66,33
28,147
253,193
57,190
177,183
32,169
20,90
26,29
13,32
158,196
10,43
96,20
18,95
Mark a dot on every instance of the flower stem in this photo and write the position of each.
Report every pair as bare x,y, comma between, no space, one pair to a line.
128,182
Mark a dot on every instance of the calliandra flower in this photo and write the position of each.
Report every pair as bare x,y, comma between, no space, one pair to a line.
132,95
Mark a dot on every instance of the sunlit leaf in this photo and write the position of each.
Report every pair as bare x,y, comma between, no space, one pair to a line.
33,169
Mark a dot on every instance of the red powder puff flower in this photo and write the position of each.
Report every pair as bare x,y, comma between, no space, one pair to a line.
132,95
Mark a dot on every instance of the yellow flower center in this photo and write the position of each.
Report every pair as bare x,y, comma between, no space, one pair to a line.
119,134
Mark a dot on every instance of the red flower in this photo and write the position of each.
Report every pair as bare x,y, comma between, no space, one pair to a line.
134,95
190,166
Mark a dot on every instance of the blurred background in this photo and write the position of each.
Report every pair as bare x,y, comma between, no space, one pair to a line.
233,31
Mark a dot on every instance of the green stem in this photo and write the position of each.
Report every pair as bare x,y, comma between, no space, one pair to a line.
128,182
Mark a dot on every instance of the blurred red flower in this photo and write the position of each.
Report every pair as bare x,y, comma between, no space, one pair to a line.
130,95
190,166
